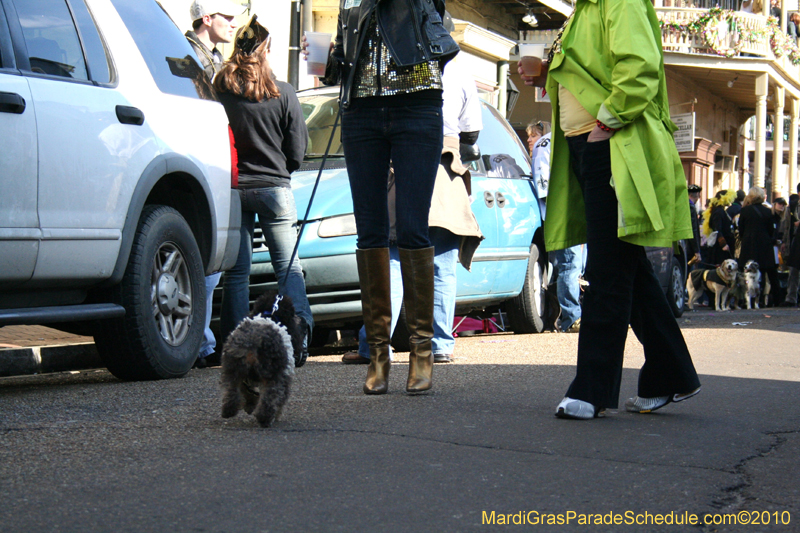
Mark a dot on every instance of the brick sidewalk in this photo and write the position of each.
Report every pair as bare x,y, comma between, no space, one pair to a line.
30,336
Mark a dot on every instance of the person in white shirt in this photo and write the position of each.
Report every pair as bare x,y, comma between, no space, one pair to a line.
569,261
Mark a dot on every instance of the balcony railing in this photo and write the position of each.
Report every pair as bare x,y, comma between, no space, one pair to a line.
696,31
697,28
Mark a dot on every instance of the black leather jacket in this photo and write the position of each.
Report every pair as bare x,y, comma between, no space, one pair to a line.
411,29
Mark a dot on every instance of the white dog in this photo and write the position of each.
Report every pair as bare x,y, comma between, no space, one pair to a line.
752,282
719,281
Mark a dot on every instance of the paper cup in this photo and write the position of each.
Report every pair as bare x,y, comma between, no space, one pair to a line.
530,58
319,45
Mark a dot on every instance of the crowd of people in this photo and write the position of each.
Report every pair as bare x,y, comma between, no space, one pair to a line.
746,227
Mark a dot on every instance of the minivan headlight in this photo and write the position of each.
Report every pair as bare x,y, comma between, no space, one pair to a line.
337,226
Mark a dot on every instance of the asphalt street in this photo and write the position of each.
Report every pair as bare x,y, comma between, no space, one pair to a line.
86,452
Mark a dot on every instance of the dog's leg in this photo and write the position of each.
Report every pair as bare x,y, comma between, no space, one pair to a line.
690,290
270,404
233,373
266,410
249,391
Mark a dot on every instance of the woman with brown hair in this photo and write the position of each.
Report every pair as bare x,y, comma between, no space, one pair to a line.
271,138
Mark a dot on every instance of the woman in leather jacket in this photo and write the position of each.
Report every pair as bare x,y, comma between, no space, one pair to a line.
388,57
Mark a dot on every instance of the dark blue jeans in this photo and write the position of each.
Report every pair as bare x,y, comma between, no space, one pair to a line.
277,216
411,139
623,289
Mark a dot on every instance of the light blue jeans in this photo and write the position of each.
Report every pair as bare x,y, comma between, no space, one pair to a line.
277,216
209,341
570,264
445,261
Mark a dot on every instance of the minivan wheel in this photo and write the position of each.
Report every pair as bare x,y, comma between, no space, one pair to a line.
526,312
163,293
676,293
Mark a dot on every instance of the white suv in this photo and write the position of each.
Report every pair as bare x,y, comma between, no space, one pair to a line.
115,180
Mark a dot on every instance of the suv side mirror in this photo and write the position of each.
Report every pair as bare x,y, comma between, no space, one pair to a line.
469,152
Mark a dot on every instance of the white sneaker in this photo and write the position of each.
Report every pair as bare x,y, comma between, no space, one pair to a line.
638,404
576,409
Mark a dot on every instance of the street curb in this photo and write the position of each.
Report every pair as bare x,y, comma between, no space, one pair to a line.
44,359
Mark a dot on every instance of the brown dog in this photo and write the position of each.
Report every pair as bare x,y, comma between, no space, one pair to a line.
719,281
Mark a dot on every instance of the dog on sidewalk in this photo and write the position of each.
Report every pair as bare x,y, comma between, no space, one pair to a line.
719,281
752,284
258,359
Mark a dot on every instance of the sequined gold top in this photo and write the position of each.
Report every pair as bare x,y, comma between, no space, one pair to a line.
378,75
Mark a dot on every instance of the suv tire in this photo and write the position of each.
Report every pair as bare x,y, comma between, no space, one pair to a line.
527,311
163,293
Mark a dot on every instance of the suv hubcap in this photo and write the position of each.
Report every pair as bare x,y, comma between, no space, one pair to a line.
171,294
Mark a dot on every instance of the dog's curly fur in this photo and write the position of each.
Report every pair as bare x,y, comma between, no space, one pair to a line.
258,360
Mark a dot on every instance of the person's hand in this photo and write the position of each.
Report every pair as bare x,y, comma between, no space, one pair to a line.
783,249
726,248
304,48
796,224
599,134
697,257
533,81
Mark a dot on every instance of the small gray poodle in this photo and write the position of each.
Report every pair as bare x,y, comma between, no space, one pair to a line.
258,359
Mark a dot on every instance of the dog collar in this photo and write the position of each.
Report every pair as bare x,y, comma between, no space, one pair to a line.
268,314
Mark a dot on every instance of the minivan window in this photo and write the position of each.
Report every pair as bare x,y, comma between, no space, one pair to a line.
497,137
96,55
51,38
168,55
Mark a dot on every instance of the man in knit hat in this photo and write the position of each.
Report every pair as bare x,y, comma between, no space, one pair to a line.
213,22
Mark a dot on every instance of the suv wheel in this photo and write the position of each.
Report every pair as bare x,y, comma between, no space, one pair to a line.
526,312
676,292
164,298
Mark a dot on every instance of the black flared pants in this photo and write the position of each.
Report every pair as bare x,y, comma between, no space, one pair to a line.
623,289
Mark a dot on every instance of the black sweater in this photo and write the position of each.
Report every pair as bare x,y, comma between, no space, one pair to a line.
270,136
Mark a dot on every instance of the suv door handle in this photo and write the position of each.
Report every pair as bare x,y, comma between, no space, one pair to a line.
130,115
488,199
500,199
11,103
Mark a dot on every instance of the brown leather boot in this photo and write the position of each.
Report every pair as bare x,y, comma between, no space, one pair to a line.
416,267
376,306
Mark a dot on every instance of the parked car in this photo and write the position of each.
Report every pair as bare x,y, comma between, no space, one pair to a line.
671,269
510,271
115,191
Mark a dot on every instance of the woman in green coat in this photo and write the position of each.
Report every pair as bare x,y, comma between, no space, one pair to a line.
617,183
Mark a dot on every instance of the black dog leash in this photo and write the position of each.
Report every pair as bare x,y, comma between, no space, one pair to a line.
313,193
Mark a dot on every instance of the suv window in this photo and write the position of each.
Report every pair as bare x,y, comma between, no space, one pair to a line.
96,55
168,55
51,38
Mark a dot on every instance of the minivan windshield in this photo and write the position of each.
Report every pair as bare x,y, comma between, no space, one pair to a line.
320,112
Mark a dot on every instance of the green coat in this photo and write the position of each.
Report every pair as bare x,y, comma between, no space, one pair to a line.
611,60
